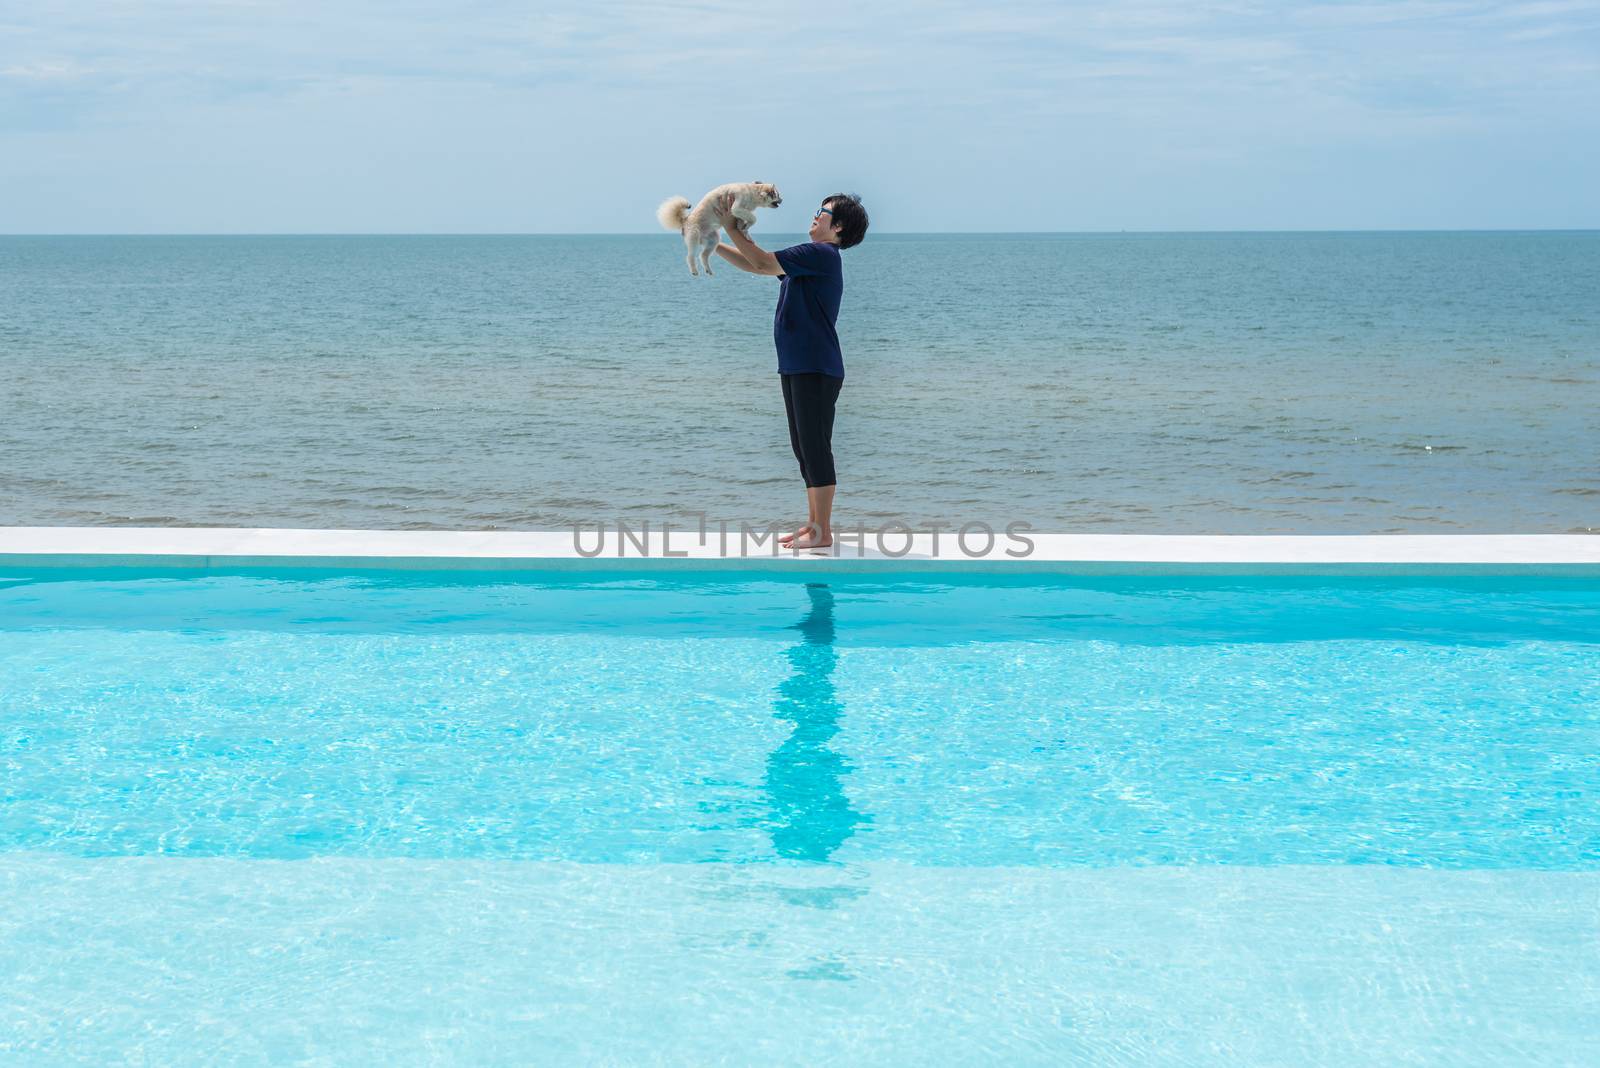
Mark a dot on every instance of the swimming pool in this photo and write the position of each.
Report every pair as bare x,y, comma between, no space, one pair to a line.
313,814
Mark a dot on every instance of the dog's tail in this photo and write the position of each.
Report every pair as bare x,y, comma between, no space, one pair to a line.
672,212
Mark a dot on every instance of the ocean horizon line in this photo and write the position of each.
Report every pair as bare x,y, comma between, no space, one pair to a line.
876,233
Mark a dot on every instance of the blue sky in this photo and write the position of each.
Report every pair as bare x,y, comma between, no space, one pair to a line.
164,117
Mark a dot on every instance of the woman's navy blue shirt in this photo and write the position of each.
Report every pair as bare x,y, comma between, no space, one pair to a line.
808,308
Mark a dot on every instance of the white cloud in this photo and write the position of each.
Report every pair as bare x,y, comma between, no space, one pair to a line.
910,93
47,71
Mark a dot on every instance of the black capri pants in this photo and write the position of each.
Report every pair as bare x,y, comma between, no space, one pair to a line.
810,399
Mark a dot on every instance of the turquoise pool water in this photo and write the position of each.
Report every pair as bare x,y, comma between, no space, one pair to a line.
321,816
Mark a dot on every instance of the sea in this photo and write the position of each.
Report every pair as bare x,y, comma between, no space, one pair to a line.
1230,383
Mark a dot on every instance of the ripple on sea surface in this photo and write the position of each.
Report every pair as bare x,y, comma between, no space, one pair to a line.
1141,383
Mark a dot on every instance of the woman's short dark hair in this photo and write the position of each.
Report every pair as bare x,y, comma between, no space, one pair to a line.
850,217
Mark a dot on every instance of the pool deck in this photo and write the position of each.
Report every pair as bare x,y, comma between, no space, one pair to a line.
896,551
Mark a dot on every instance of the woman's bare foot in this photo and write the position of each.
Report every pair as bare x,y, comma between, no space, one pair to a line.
801,531
812,539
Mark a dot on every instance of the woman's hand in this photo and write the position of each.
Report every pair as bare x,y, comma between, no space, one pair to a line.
757,260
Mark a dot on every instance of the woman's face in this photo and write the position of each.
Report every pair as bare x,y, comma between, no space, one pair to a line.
822,226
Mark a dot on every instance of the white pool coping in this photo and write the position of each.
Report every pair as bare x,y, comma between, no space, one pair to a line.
211,548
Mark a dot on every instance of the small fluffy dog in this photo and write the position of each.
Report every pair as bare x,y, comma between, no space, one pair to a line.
700,226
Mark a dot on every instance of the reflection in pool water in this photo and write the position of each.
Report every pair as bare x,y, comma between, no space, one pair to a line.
810,814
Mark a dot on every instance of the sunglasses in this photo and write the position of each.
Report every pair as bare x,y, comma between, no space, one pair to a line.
821,212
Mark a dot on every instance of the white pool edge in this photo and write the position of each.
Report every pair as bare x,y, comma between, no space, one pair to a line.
215,548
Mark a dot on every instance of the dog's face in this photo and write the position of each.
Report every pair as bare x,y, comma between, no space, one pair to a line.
768,194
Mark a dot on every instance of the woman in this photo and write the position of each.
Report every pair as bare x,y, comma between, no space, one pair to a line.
810,362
